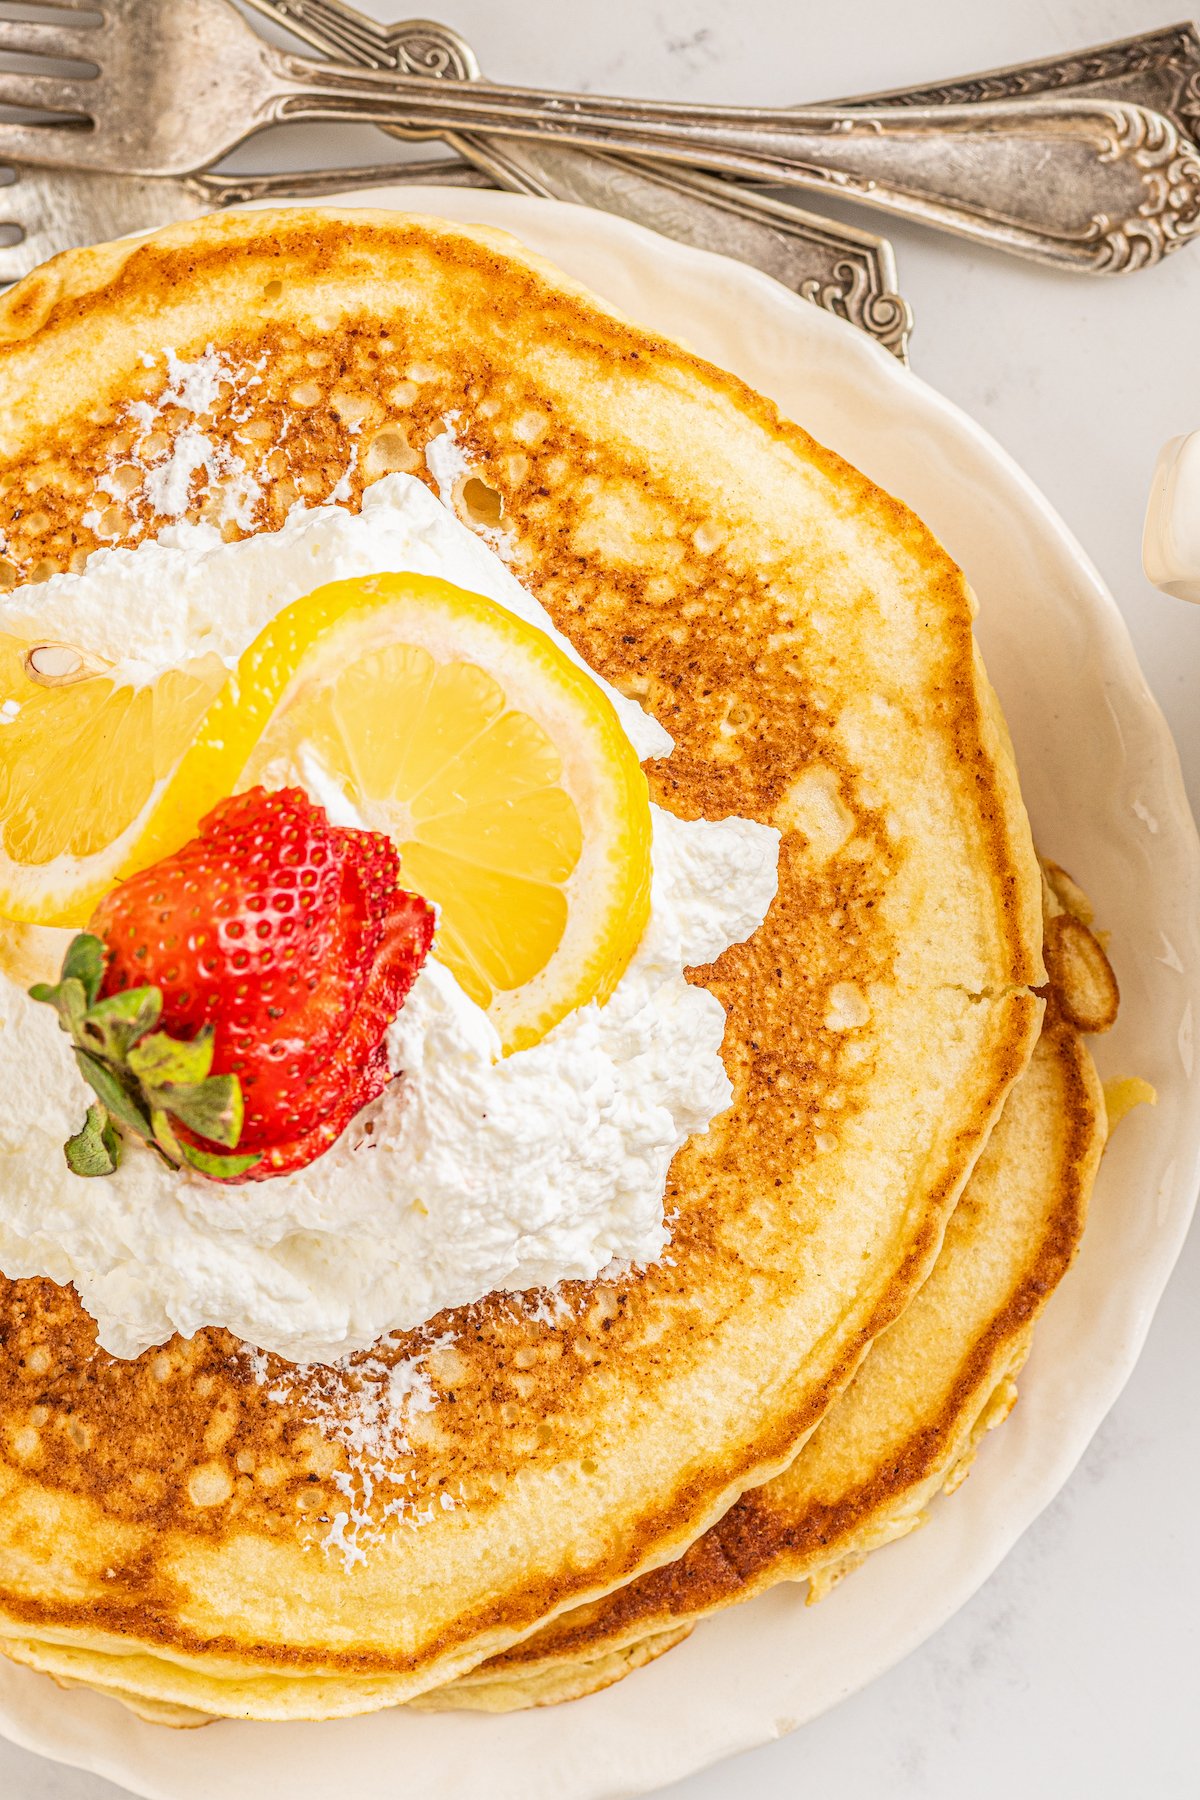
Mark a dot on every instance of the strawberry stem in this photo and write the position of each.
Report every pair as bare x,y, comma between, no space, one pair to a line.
145,1081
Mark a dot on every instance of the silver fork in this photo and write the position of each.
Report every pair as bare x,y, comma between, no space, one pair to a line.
847,271
43,211
1099,185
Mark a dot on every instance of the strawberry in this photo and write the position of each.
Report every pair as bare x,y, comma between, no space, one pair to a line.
236,995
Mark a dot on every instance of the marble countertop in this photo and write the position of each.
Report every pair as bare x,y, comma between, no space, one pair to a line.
1073,1671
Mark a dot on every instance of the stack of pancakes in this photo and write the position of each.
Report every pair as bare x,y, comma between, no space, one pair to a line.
525,1499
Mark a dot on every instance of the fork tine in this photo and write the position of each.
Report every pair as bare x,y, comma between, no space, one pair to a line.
47,93
57,146
92,6
18,255
16,251
15,263
23,35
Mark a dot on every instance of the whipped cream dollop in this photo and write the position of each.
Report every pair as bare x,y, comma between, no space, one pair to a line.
472,1171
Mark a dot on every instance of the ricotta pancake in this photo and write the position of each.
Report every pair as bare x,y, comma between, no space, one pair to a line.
260,1539
907,1427
910,1422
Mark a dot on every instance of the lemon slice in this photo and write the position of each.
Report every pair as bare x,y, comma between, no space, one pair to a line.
85,751
495,763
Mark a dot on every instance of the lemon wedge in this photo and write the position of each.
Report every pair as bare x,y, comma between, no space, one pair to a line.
85,752
495,763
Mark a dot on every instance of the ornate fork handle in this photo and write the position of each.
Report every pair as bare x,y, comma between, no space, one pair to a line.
1084,183
314,184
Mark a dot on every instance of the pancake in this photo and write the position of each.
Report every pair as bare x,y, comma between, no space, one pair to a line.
571,1680
910,1422
256,1540
908,1425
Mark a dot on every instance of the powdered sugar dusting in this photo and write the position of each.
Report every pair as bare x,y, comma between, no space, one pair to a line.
154,480
446,460
168,484
548,1306
196,387
342,493
173,466
450,466
365,1407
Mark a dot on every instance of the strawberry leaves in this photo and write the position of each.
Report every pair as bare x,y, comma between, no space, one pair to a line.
144,1080
83,963
175,1078
96,1150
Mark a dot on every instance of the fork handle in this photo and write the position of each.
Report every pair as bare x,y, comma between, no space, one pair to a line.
1093,184
311,184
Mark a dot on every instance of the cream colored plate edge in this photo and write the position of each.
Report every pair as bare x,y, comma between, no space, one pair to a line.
1102,780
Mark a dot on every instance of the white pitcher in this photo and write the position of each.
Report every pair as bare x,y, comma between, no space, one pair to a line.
1171,539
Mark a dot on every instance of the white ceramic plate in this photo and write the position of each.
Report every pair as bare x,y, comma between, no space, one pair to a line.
1102,782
